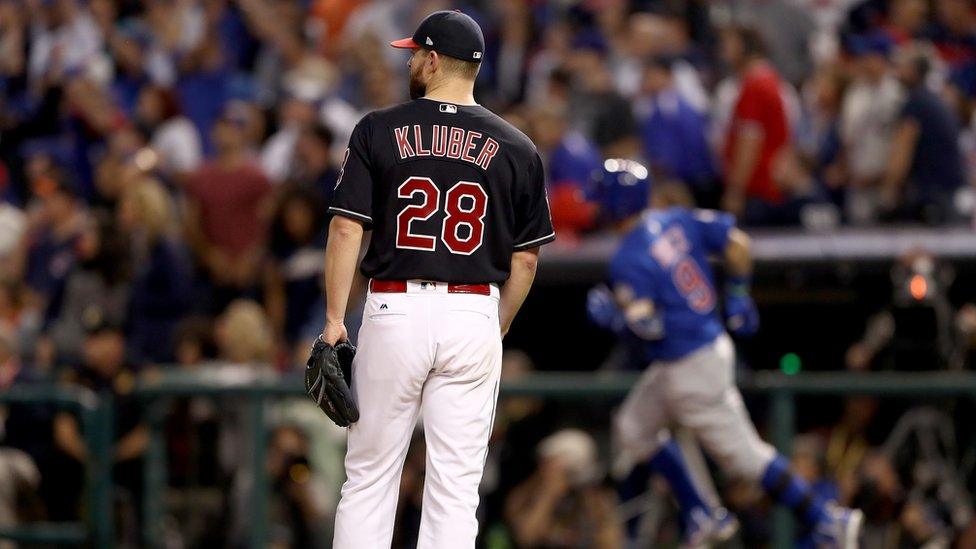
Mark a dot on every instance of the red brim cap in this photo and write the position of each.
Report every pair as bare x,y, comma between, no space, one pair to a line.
406,43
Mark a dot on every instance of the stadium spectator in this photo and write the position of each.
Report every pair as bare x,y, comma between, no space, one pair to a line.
118,167
758,129
906,19
674,133
595,105
820,143
521,422
925,168
104,370
293,286
19,480
662,35
297,518
92,117
172,136
13,225
871,106
20,322
64,40
191,425
227,209
954,32
56,222
562,504
295,117
130,44
786,30
193,342
96,290
893,510
10,363
161,270
313,166
571,160
243,334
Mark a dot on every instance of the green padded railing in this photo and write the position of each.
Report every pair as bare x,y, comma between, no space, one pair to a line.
96,422
256,390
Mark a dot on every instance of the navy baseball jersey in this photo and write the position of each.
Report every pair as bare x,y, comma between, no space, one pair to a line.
449,191
663,263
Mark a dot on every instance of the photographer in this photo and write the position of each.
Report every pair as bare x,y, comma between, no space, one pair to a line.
563,504
295,503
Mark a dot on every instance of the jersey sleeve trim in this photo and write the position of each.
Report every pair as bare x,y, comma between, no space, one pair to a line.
537,242
352,214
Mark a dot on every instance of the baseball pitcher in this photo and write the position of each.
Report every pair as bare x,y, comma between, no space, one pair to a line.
455,199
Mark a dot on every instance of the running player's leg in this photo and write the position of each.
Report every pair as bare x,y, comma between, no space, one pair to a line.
388,377
640,434
704,398
458,411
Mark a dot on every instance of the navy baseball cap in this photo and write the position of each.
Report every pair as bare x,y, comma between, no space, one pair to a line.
450,33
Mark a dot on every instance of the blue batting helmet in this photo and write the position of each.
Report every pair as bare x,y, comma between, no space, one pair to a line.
621,189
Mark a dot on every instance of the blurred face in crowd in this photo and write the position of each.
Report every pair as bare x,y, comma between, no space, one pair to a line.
58,207
57,12
104,12
288,444
957,15
89,243
548,128
125,142
299,218
590,68
229,136
874,66
907,66
295,112
376,86
656,79
104,353
149,108
908,15
243,333
827,90
732,50
128,55
647,35
313,152
127,212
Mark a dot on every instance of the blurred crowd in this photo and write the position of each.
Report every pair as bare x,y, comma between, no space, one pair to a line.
165,166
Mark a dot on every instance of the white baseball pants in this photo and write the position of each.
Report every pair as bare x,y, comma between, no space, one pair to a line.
421,351
697,392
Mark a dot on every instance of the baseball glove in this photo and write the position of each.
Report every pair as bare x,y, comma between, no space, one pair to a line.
326,373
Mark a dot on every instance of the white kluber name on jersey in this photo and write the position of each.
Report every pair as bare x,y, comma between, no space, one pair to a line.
445,142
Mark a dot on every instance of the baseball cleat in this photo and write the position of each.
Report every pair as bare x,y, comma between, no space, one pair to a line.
705,529
842,530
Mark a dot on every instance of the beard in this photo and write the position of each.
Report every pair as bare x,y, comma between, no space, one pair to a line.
418,89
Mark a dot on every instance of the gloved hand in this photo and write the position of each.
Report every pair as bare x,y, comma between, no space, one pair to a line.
326,375
741,315
602,309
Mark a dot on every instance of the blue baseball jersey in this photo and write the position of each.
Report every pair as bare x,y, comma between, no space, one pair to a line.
660,275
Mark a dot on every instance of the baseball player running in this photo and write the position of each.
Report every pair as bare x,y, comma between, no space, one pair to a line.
664,302
456,202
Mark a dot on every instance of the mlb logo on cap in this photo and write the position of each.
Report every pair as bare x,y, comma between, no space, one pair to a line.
450,33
